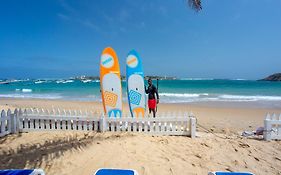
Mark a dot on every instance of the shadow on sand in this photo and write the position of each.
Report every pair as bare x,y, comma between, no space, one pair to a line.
32,156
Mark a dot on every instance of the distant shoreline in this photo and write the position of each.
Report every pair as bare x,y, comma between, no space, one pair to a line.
83,77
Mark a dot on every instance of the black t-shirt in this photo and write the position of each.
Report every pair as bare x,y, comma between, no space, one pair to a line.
151,91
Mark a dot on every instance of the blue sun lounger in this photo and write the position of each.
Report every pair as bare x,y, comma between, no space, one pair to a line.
22,172
229,173
115,172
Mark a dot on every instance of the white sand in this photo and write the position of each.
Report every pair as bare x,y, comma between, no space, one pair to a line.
84,152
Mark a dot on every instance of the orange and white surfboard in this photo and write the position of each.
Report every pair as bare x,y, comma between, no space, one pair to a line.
110,82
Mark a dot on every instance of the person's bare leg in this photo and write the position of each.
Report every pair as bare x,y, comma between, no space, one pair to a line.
154,112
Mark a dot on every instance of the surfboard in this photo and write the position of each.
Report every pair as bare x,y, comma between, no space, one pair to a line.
110,82
135,84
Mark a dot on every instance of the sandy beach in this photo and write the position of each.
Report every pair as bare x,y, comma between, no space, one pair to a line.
85,152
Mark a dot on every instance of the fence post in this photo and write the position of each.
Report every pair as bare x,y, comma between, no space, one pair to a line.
3,123
10,121
19,121
192,127
267,128
14,121
103,123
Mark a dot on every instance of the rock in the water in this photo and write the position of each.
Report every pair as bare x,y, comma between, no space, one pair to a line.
273,77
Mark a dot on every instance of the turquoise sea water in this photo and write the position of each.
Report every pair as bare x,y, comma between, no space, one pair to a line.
171,91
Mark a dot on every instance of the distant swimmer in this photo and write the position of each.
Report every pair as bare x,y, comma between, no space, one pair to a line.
151,90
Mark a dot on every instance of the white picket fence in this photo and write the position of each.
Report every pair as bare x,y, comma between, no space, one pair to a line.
272,127
59,120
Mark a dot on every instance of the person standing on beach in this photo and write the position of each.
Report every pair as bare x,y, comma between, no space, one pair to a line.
151,90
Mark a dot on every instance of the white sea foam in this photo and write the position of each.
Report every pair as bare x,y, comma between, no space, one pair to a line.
250,98
40,81
69,81
26,90
64,81
86,81
240,79
183,95
14,81
37,96
201,97
197,79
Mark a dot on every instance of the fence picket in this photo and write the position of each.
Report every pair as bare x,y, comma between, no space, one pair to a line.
48,124
85,125
278,127
139,124
134,126
122,124
118,125
25,124
3,123
95,126
9,121
53,112
53,123
69,122
90,125
36,111
36,123
162,126
112,126
63,124
273,116
79,124
173,126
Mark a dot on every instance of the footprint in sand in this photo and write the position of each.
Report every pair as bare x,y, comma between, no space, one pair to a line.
163,141
171,171
206,145
244,145
236,162
166,159
198,156
144,171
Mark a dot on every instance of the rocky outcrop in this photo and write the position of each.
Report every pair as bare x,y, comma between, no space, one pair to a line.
273,77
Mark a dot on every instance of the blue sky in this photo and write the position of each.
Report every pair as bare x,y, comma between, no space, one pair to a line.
227,39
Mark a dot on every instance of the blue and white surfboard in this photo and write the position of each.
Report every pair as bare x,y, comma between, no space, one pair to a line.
135,84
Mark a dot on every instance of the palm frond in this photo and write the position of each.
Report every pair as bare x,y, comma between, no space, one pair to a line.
195,4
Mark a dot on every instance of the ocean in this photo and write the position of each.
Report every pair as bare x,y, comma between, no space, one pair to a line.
170,91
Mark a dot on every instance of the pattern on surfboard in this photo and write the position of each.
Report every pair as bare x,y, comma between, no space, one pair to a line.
135,97
110,98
